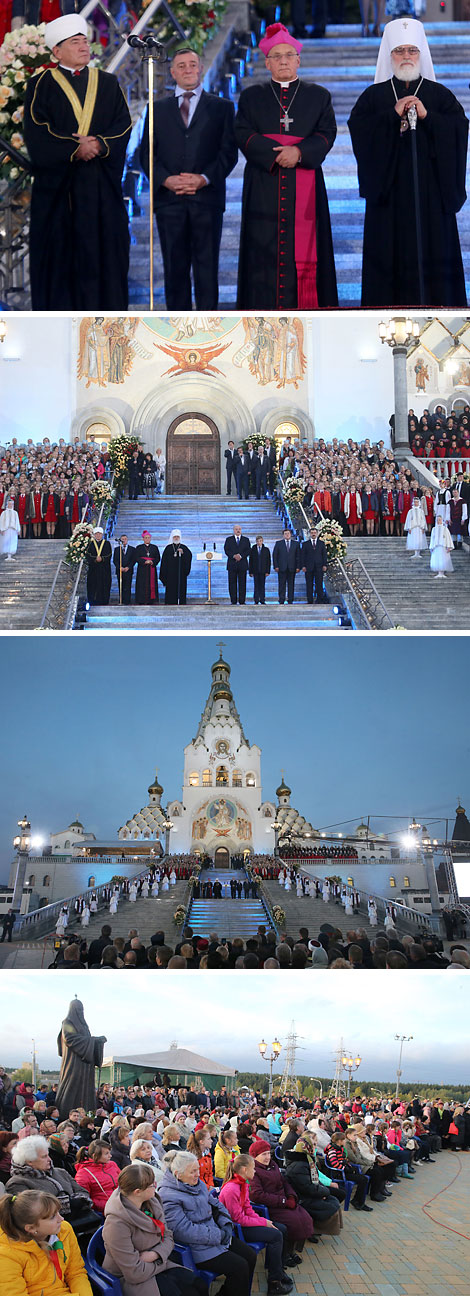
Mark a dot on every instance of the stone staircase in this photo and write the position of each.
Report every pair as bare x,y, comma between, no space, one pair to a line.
343,62
410,591
147,916
25,582
207,519
312,913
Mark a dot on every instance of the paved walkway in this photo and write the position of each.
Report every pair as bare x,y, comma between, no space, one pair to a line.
401,1251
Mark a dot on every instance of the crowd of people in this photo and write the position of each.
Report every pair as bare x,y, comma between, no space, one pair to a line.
50,484
441,440
328,948
222,1175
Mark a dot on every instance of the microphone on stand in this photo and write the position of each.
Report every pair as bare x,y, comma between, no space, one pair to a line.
136,42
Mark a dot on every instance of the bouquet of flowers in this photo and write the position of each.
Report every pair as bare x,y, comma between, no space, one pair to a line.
199,19
294,490
279,915
120,450
103,495
256,440
332,536
179,916
77,546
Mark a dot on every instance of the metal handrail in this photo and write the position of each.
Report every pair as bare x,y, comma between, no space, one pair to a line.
8,150
407,914
385,618
70,613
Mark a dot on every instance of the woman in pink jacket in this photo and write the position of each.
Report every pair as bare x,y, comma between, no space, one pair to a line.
235,1196
97,1172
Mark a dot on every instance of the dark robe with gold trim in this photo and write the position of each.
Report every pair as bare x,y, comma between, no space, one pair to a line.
267,271
384,163
99,573
147,558
79,240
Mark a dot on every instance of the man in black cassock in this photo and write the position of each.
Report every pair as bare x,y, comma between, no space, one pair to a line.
285,128
147,557
76,129
382,142
98,556
175,568
124,562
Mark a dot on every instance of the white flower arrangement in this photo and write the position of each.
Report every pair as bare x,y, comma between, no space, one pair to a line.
77,546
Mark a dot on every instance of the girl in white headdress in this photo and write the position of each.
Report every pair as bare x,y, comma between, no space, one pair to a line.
9,528
85,916
372,911
133,893
415,525
145,889
155,887
113,904
441,545
326,891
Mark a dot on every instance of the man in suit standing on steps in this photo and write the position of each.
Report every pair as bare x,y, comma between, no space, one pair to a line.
314,560
124,562
259,568
194,150
287,563
231,457
242,474
237,549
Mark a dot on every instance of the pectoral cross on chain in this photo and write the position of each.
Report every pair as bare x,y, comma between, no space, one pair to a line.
287,121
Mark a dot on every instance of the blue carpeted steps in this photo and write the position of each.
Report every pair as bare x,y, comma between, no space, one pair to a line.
227,917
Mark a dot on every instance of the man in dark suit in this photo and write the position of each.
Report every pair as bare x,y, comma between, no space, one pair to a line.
124,562
195,151
270,451
262,473
230,463
237,549
242,474
286,562
314,561
259,568
253,466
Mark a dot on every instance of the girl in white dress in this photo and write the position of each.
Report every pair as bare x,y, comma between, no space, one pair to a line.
441,545
155,888
415,525
85,916
326,892
348,904
9,529
372,911
133,893
113,904
145,889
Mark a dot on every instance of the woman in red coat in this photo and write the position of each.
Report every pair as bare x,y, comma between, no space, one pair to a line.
35,511
50,504
270,1188
97,1172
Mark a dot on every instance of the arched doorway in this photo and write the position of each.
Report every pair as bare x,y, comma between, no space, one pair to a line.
222,858
193,456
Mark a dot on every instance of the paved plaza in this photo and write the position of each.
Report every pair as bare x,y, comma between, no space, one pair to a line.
401,1251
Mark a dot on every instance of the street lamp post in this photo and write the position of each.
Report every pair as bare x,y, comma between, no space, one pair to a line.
276,1049
22,844
276,829
168,825
350,1065
404,1039
398,333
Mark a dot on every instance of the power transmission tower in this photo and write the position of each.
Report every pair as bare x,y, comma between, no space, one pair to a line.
338,1088
289,1082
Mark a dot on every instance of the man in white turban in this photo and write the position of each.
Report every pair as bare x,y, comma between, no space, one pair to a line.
76,129
383,141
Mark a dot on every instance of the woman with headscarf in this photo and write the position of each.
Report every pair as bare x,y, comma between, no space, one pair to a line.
319,1199
175,568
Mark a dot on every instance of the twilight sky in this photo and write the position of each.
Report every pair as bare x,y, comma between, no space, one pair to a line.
88,720
209,1014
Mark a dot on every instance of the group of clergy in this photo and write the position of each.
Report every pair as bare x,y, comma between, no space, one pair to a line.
409,136
175,567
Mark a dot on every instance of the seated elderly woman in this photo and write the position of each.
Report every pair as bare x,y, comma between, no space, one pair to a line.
145,1131
171,1139
30,1224
319,1199
31,1168
204,1224
62,1151
235,1196
269,1187
360,1151
96,1172
119,1141
142,1153
138,1241
8,1141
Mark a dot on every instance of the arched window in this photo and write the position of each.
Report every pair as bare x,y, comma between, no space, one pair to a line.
66,845
46,881
237,780
392,881
32,879
250,780
406,881
221,776
207,778
92,880
350,881
194,779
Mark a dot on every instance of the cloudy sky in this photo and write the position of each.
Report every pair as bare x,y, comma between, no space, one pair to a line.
225,1016
88,721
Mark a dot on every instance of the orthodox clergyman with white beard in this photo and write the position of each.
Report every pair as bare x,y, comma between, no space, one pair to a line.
383,143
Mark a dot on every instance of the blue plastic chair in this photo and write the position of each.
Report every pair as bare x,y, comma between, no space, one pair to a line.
279,1155
186,1257
99,1278
339,1176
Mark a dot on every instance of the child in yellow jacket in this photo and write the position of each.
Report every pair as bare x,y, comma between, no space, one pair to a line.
39,1253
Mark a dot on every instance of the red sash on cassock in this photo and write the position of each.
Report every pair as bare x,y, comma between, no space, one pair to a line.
305,229
151,575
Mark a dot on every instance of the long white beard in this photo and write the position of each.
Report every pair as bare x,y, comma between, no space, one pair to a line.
409,73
